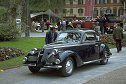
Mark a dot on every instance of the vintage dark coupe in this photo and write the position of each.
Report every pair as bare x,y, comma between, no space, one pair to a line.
72,49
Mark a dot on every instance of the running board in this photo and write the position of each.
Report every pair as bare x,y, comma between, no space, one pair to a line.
91,61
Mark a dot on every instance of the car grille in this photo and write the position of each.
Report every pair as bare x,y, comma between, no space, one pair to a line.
32,58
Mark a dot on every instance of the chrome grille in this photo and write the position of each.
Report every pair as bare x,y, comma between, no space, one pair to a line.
32,58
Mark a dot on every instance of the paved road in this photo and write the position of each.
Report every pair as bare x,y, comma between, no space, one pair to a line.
117,76
22,75
38,34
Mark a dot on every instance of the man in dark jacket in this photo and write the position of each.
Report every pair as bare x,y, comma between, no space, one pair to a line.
59,25
51,35
118,36
101,24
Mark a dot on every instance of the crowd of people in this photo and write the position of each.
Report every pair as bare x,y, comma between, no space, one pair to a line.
40,25
45,24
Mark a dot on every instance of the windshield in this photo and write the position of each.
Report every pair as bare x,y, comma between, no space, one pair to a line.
111,18
69,37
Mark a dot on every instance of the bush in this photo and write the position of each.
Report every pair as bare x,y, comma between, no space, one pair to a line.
3,15
108,38
8,32
8,53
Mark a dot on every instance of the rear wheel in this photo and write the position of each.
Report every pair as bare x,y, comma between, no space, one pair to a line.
105,58
67,67
34,69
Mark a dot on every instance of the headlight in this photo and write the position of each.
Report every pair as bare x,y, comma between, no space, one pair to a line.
57,61
55,51
25,59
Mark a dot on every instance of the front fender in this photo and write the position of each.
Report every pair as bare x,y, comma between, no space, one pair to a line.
72,54
33,51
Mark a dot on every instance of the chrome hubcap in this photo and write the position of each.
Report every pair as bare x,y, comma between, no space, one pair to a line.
69,66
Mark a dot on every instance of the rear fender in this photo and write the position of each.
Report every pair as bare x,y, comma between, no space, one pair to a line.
102,48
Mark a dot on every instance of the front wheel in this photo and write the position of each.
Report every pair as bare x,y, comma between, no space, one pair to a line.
34,69
67,67
105,58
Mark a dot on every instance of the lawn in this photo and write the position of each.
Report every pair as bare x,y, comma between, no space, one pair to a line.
25,44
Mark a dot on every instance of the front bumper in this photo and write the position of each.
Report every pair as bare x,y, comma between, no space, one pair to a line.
45,66
31,64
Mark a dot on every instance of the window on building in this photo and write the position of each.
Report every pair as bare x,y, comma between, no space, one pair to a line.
80,10
120,1
108,1
95,14
71,11
64,11
101,1
95,2
120,12
71,2
101,13
114,1
108,11
115,12
80,2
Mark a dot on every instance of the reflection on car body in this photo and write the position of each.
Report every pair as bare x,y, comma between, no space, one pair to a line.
72,49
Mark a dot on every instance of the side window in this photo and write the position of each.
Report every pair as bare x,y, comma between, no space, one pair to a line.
90,36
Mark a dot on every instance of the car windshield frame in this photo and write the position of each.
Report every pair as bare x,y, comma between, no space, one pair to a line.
69,37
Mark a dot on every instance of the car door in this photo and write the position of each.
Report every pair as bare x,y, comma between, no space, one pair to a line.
90,47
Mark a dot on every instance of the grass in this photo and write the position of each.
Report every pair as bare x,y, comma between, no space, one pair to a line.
25,44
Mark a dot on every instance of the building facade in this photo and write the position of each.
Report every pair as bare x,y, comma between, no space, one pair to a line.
76,8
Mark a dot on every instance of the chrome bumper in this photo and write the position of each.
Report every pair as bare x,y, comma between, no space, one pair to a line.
53,66
29,64
47,66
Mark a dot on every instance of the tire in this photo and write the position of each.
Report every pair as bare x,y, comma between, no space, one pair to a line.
34,69
67,67
105,57
78,25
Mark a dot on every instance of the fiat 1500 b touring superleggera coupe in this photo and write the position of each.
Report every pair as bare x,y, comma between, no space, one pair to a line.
72,49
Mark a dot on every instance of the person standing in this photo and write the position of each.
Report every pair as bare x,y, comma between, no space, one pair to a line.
64,25
59,25
118,36
51,35
42,24
47,24
101,24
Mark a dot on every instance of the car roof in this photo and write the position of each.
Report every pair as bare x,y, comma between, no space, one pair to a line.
80,31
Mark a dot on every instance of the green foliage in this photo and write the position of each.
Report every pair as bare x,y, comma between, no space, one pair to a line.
42,5
8,32
3,15
2,11
4,3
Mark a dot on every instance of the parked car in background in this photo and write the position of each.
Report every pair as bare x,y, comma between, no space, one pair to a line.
72,48
90,24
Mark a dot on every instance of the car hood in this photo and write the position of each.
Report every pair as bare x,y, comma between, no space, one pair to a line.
57,45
